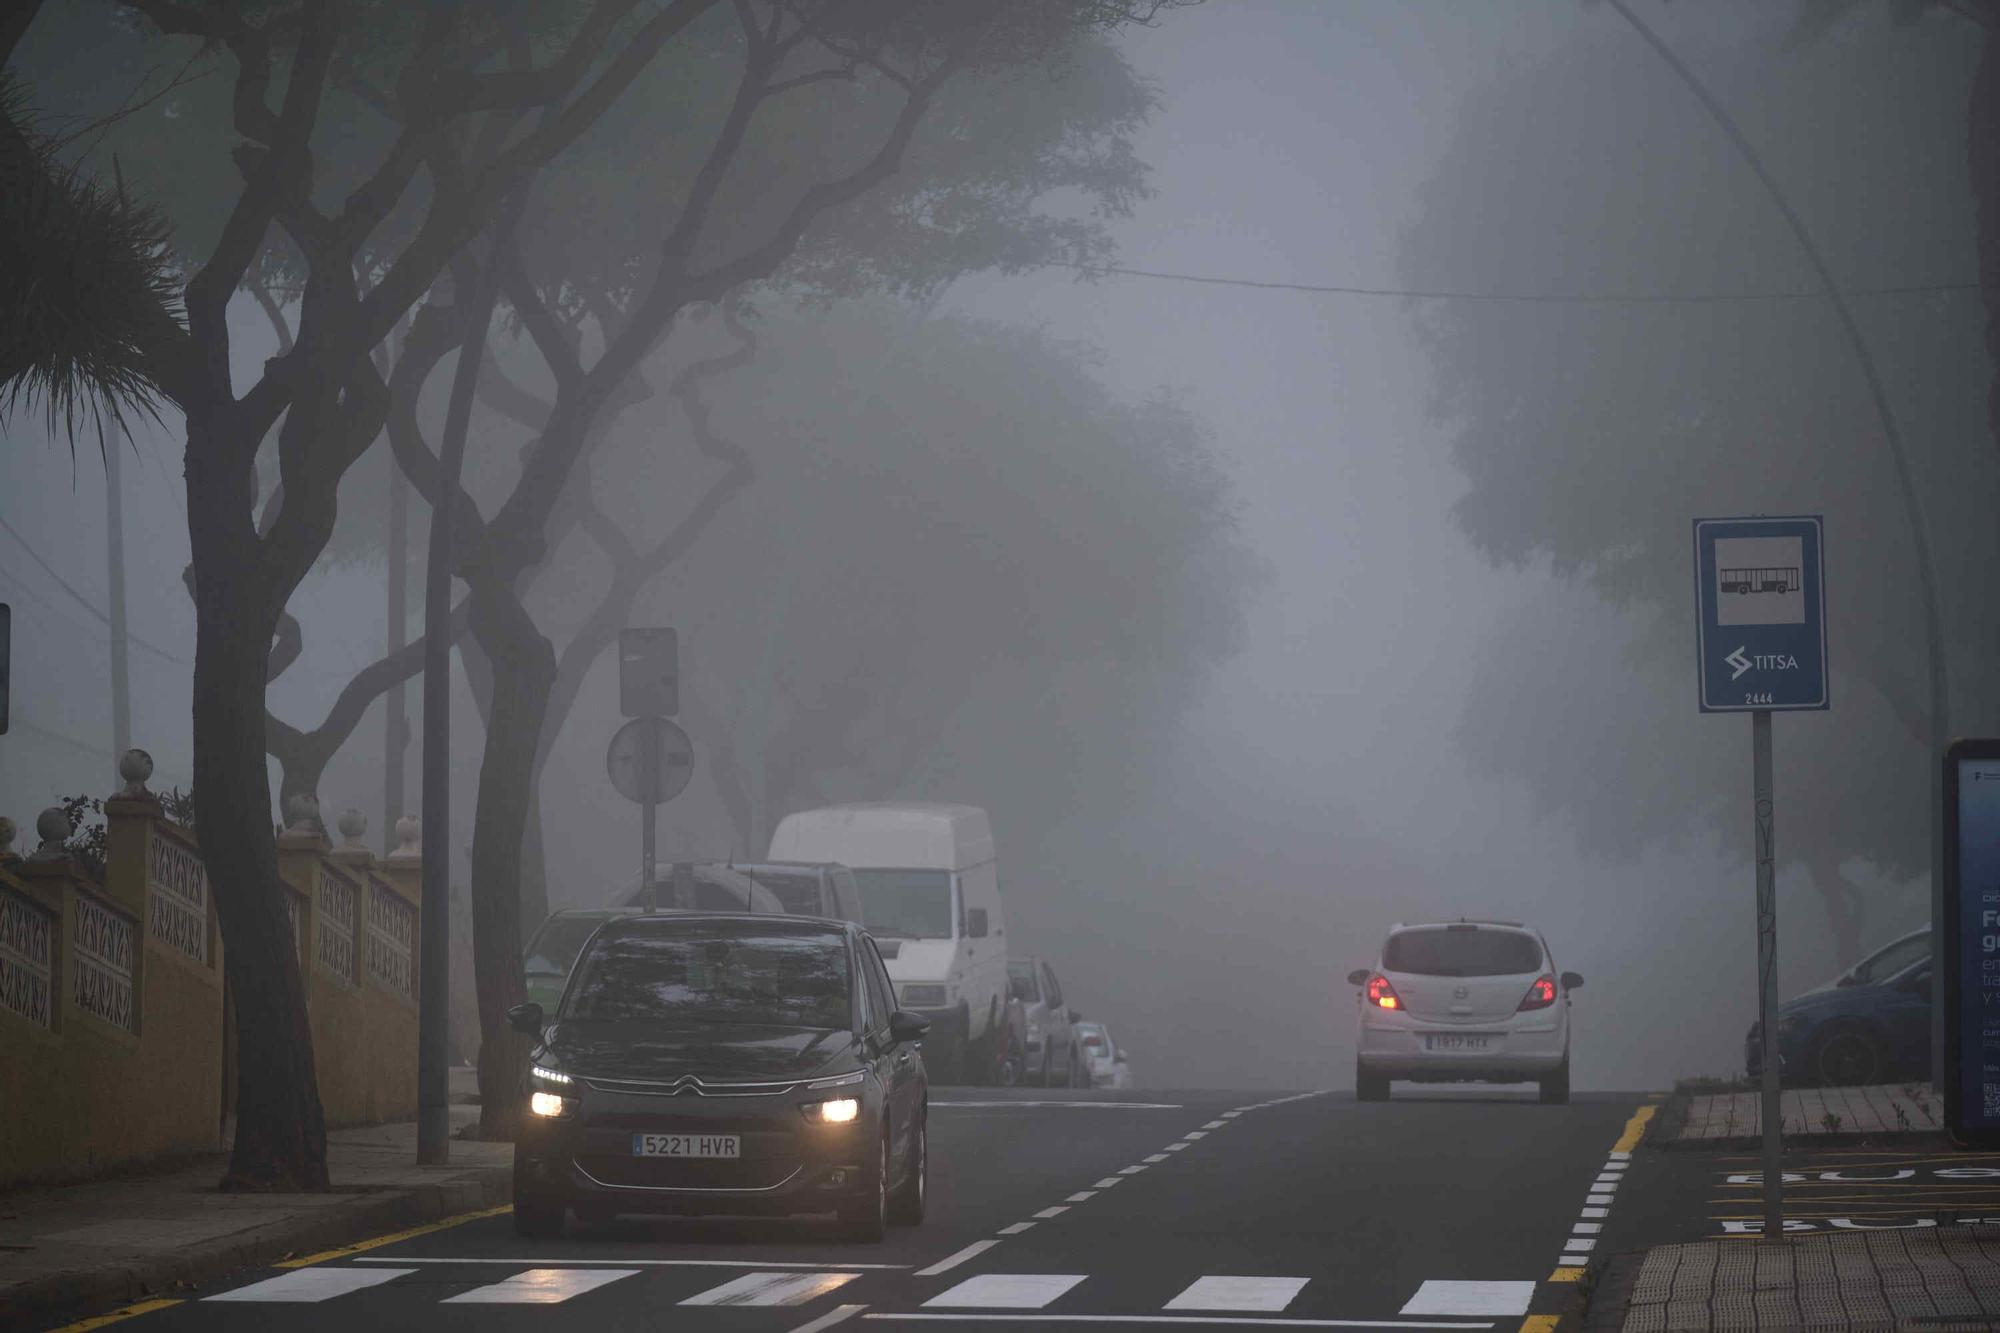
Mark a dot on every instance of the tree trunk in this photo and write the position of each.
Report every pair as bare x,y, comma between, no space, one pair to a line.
280,1129
1983,150
534,860
523,668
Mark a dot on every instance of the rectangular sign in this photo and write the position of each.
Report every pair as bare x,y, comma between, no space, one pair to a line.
1760,622
1971,989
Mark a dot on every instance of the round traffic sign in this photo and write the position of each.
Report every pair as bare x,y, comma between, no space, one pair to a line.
650,760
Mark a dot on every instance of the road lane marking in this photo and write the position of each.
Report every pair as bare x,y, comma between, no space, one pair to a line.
1081,1196
1600,1199
129,1312
1173,1147
1575,1245
1620,1155
1269,1321
1106,1183
312,1284
1194,1134
1597,1212
1231,1115
376,1243
1006,1291
1470,1298
773,1289
1635,1129
1268,1294
1017,1228
1130,1170
1215,1124
1156,1157
582,1262
945,1265
1093,1106
1567,1275
537,1286
1056,1211
834,1316
1586,1228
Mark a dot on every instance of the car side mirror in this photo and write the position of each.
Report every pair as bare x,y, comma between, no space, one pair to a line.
975,923
526,1019
906,1026
1075,1016
1358,977
1572,980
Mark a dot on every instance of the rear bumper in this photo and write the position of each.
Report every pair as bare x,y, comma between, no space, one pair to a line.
1513,1052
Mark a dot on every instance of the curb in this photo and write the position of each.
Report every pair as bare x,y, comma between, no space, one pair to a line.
90,1288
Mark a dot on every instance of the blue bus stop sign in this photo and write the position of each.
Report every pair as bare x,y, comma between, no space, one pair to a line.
1761,614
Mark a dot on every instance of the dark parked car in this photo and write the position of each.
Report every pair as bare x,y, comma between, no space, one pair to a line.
705,1064
802,888
1869,1025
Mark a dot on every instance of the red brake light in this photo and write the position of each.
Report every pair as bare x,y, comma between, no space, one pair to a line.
1540,995
1381,994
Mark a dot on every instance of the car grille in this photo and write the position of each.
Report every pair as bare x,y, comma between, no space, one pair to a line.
669,1173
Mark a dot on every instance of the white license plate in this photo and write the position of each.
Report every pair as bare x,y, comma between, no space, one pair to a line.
687,1145
1457,1041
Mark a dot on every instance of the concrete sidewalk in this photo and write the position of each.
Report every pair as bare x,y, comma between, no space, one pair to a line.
1935,1278
1887,1108
75,1248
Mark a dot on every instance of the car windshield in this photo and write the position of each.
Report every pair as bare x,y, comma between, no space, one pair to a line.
555,945
1459,952
1092,1037
1886,963
697,972
915,904
1021,982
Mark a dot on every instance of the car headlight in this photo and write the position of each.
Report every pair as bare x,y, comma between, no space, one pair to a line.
839,1111
549,1104
837,1081
1789,1025
552,1077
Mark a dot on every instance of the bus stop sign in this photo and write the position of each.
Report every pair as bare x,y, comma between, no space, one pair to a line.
1761,614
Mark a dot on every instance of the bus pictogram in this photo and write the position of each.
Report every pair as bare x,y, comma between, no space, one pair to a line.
1782,579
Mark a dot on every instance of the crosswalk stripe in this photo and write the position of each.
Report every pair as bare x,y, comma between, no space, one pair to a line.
311,1284
541,1286
1268,1294
773,1289
1471,1298
1006,1291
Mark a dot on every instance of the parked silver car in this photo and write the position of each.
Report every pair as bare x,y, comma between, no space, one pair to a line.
1052,1053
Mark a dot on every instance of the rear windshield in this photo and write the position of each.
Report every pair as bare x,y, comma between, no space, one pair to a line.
1462,953
695,973
1021,982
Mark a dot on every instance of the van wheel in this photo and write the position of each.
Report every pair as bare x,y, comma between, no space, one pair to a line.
1370,1086
1555,1088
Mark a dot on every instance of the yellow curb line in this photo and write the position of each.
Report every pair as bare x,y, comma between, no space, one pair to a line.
324,1255
1540,1323
130,1311
1567,1275
1635,1129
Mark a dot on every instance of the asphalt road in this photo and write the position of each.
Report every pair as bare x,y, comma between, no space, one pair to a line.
1452,1209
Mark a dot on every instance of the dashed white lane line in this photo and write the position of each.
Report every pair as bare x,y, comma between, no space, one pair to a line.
1005,1291
1154,1159
1596,1212
837,1314
1081,1196
949,1262
1231,1115
773,1289
1017,1228
1267,1294
1215,1124
312,1284
552,1286
1193,1134
1174,1147
1130,1170
1106,1183
1269,1321
1056,1211
1470,1298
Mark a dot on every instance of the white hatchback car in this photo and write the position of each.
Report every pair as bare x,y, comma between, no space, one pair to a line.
1463,1001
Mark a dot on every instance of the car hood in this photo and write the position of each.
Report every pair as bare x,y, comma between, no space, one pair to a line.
648,1051
922,960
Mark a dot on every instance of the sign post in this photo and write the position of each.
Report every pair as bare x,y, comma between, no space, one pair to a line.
649,761
1760,635
1971,962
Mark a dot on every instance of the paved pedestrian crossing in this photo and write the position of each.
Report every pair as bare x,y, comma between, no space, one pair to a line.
978,1295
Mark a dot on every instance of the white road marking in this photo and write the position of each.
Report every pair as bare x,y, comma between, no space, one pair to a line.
1581,1246
1266,1320
312,1284
541,1286
1609,1167
1215,1124
1602,1200
834,1316
1173,1147
773,1289
1089,1106
629,1263
1267,1294
1586,1228
1195,1134
1231,1115
1017,1228
1597,1212
1081,1196
1605,1183
1471,1298
1006,1291
1156,1157
1056,1211
1130,1170
972,1251
1621,1156
1106,1183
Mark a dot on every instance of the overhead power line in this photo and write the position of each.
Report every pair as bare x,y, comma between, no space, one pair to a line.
79,598
1536,298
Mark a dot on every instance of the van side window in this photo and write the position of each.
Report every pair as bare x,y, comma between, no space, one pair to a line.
1053,988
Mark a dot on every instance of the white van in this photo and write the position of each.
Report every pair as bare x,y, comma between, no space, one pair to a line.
930,895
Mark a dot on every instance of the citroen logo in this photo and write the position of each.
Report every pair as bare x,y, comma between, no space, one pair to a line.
688,1083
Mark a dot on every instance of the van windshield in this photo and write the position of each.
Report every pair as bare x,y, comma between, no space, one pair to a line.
912,904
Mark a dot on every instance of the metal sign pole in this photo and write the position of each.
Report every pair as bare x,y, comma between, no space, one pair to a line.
1767,973
649,779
